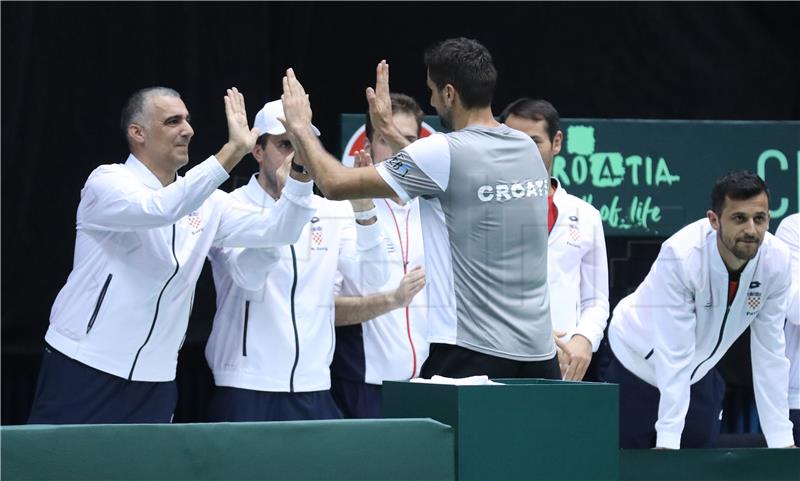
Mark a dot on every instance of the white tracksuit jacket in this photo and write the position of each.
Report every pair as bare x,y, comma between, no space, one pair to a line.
139,250
577,270
274,326
676,326
789,232
393,346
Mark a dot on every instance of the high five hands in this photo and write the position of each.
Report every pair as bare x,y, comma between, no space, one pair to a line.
380,109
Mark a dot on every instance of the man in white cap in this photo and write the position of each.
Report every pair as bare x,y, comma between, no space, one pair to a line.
272,340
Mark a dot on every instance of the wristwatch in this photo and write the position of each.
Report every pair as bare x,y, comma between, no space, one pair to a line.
299,168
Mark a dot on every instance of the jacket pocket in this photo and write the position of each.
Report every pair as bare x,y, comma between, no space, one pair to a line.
99,303
647,356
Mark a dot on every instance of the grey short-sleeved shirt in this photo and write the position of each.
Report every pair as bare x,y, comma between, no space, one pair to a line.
483,211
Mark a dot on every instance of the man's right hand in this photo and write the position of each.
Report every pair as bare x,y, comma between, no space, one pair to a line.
296,106
564,356
410,285
380,109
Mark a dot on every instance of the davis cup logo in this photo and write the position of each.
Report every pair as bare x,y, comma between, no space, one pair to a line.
356,142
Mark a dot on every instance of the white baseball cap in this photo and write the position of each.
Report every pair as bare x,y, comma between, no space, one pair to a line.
267,119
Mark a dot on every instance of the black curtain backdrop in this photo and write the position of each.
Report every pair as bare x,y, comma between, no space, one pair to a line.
67,68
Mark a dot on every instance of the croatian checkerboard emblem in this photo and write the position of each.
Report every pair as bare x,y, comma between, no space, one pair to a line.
316,235
574,234
753,300
194,220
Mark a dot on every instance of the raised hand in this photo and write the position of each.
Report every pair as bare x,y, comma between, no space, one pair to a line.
296,105
362,159
410,285
240,136
380,103
380,109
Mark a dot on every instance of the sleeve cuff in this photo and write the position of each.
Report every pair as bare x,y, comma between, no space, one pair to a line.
389,179
214,169
780,440
668,440
593,338
368,236
297,188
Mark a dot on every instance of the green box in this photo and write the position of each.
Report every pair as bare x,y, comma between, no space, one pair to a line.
531,429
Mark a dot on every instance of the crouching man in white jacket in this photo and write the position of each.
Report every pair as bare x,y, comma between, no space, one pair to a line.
711,280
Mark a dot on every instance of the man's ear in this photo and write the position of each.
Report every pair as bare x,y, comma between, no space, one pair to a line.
136,133
559,137
258,152
713,219
449,94
367,145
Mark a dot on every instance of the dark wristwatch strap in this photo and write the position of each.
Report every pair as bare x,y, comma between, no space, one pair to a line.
299,168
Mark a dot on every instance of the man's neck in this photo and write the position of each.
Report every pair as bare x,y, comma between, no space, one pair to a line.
164,175
271,183
463,118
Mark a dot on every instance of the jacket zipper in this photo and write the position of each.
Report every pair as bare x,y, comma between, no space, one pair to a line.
99,303
158,303
294,322
719,341
244,336
411,342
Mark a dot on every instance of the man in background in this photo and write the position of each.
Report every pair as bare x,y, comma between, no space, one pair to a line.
577,266
382,337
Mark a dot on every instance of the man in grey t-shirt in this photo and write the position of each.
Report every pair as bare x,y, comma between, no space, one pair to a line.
483,209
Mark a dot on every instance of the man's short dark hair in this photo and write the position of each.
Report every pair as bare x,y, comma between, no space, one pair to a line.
466,65
736,185
401,103
133,110
262,140
534,109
